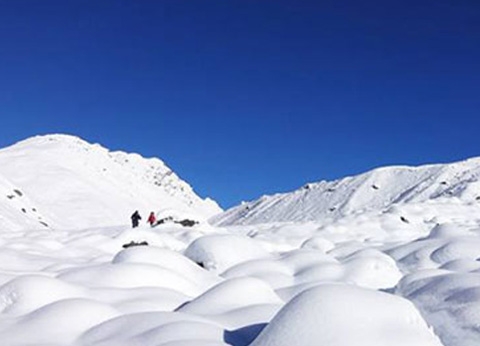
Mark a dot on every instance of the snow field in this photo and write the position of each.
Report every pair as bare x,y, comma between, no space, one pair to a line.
390,257
100,294
233,306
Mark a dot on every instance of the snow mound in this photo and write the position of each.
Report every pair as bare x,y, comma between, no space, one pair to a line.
220,252
70,318
445,230
341,315
152,329
232,294
299,270
445,243
457,248
131,275
30,292
371,268
169,260
318,243
449,299
237,303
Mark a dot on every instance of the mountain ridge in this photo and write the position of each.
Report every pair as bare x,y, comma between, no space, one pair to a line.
376,189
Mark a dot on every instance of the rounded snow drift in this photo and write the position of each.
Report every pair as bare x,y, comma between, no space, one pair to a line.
342,315
232,294
220,252
445,230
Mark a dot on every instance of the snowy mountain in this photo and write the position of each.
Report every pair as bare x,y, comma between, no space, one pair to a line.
389,257
61,181
378,189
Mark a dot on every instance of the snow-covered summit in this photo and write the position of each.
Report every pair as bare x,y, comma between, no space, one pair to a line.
75,184
375,190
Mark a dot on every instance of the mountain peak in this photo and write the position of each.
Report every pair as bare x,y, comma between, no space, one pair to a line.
77,184
53,138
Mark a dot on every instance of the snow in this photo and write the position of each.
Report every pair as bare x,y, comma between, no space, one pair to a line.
220,252
327,202
397,264
338,315
74,184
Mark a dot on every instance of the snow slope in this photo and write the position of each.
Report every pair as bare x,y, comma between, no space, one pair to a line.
76,185
376,190
17,211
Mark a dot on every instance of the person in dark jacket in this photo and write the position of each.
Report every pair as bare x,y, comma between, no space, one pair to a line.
152,219
135,219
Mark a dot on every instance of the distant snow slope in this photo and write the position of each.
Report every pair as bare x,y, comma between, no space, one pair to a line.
374,190
17,211
75,184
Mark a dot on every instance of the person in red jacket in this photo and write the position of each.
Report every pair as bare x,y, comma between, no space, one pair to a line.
152,219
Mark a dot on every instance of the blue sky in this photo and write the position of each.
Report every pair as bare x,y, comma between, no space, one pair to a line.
243,98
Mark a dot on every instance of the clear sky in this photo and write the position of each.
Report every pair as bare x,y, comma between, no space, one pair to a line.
247,97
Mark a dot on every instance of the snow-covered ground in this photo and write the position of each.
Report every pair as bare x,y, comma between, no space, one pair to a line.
381,270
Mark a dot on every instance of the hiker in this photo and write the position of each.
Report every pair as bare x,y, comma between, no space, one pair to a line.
152,219
135,218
